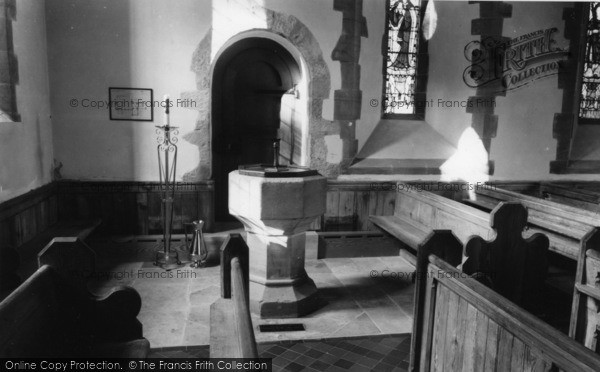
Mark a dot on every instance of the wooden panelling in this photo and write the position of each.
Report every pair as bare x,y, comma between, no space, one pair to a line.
349,205
468,327
585,319
27,215
134,207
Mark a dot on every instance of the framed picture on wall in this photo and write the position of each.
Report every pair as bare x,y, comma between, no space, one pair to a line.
135,104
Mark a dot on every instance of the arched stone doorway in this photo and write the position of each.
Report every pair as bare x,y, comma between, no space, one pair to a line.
251,79
291,33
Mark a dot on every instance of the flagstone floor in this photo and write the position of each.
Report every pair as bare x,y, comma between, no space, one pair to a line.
364,296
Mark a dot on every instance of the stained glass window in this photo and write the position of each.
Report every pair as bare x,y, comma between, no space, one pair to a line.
403,24
589,103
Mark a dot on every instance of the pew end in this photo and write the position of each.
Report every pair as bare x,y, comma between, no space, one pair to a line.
71,258
9,278
585,311
53,315
509,264
47,317
231,329
467,326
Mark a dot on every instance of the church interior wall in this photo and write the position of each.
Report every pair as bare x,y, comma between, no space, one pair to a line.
92,46
524,145
26,150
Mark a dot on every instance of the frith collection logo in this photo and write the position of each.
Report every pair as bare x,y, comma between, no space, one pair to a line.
515,63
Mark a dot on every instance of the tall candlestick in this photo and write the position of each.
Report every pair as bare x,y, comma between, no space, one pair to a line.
167,163
167,103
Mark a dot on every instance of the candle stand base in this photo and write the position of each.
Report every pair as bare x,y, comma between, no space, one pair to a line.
197,261
167,260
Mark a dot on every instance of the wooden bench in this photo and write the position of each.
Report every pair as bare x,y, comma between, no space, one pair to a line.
577,224
19,263
511,265
50,315
413,235
28,252
568,228
563,194
585,311
417,213
231,330
9,264
439,212
461,325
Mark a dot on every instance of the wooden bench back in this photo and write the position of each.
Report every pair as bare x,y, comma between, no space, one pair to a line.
32,309
231,330
439,212
468,327
512,266
545,210
578,198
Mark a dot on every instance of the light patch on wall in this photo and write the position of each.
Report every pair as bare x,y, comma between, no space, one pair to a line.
469,163
334,146
429,21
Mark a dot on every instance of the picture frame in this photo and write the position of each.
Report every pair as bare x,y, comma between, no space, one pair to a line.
131,104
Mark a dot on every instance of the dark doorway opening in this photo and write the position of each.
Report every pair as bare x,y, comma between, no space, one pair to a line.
249,80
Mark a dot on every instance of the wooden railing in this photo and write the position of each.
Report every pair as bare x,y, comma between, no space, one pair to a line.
231,330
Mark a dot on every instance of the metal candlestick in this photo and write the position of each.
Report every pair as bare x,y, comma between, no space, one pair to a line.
167,163
198,250
276,153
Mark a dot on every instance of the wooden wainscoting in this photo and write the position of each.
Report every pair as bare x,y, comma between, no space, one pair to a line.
135,207
349,204
27,215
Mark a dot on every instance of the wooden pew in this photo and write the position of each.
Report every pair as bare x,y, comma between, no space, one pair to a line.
465,326
563,194
584,325
540,209
438,212
9,264
29,251
586,185
585,312
568,228
416,213
414,235
49,315
511,265
231,330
